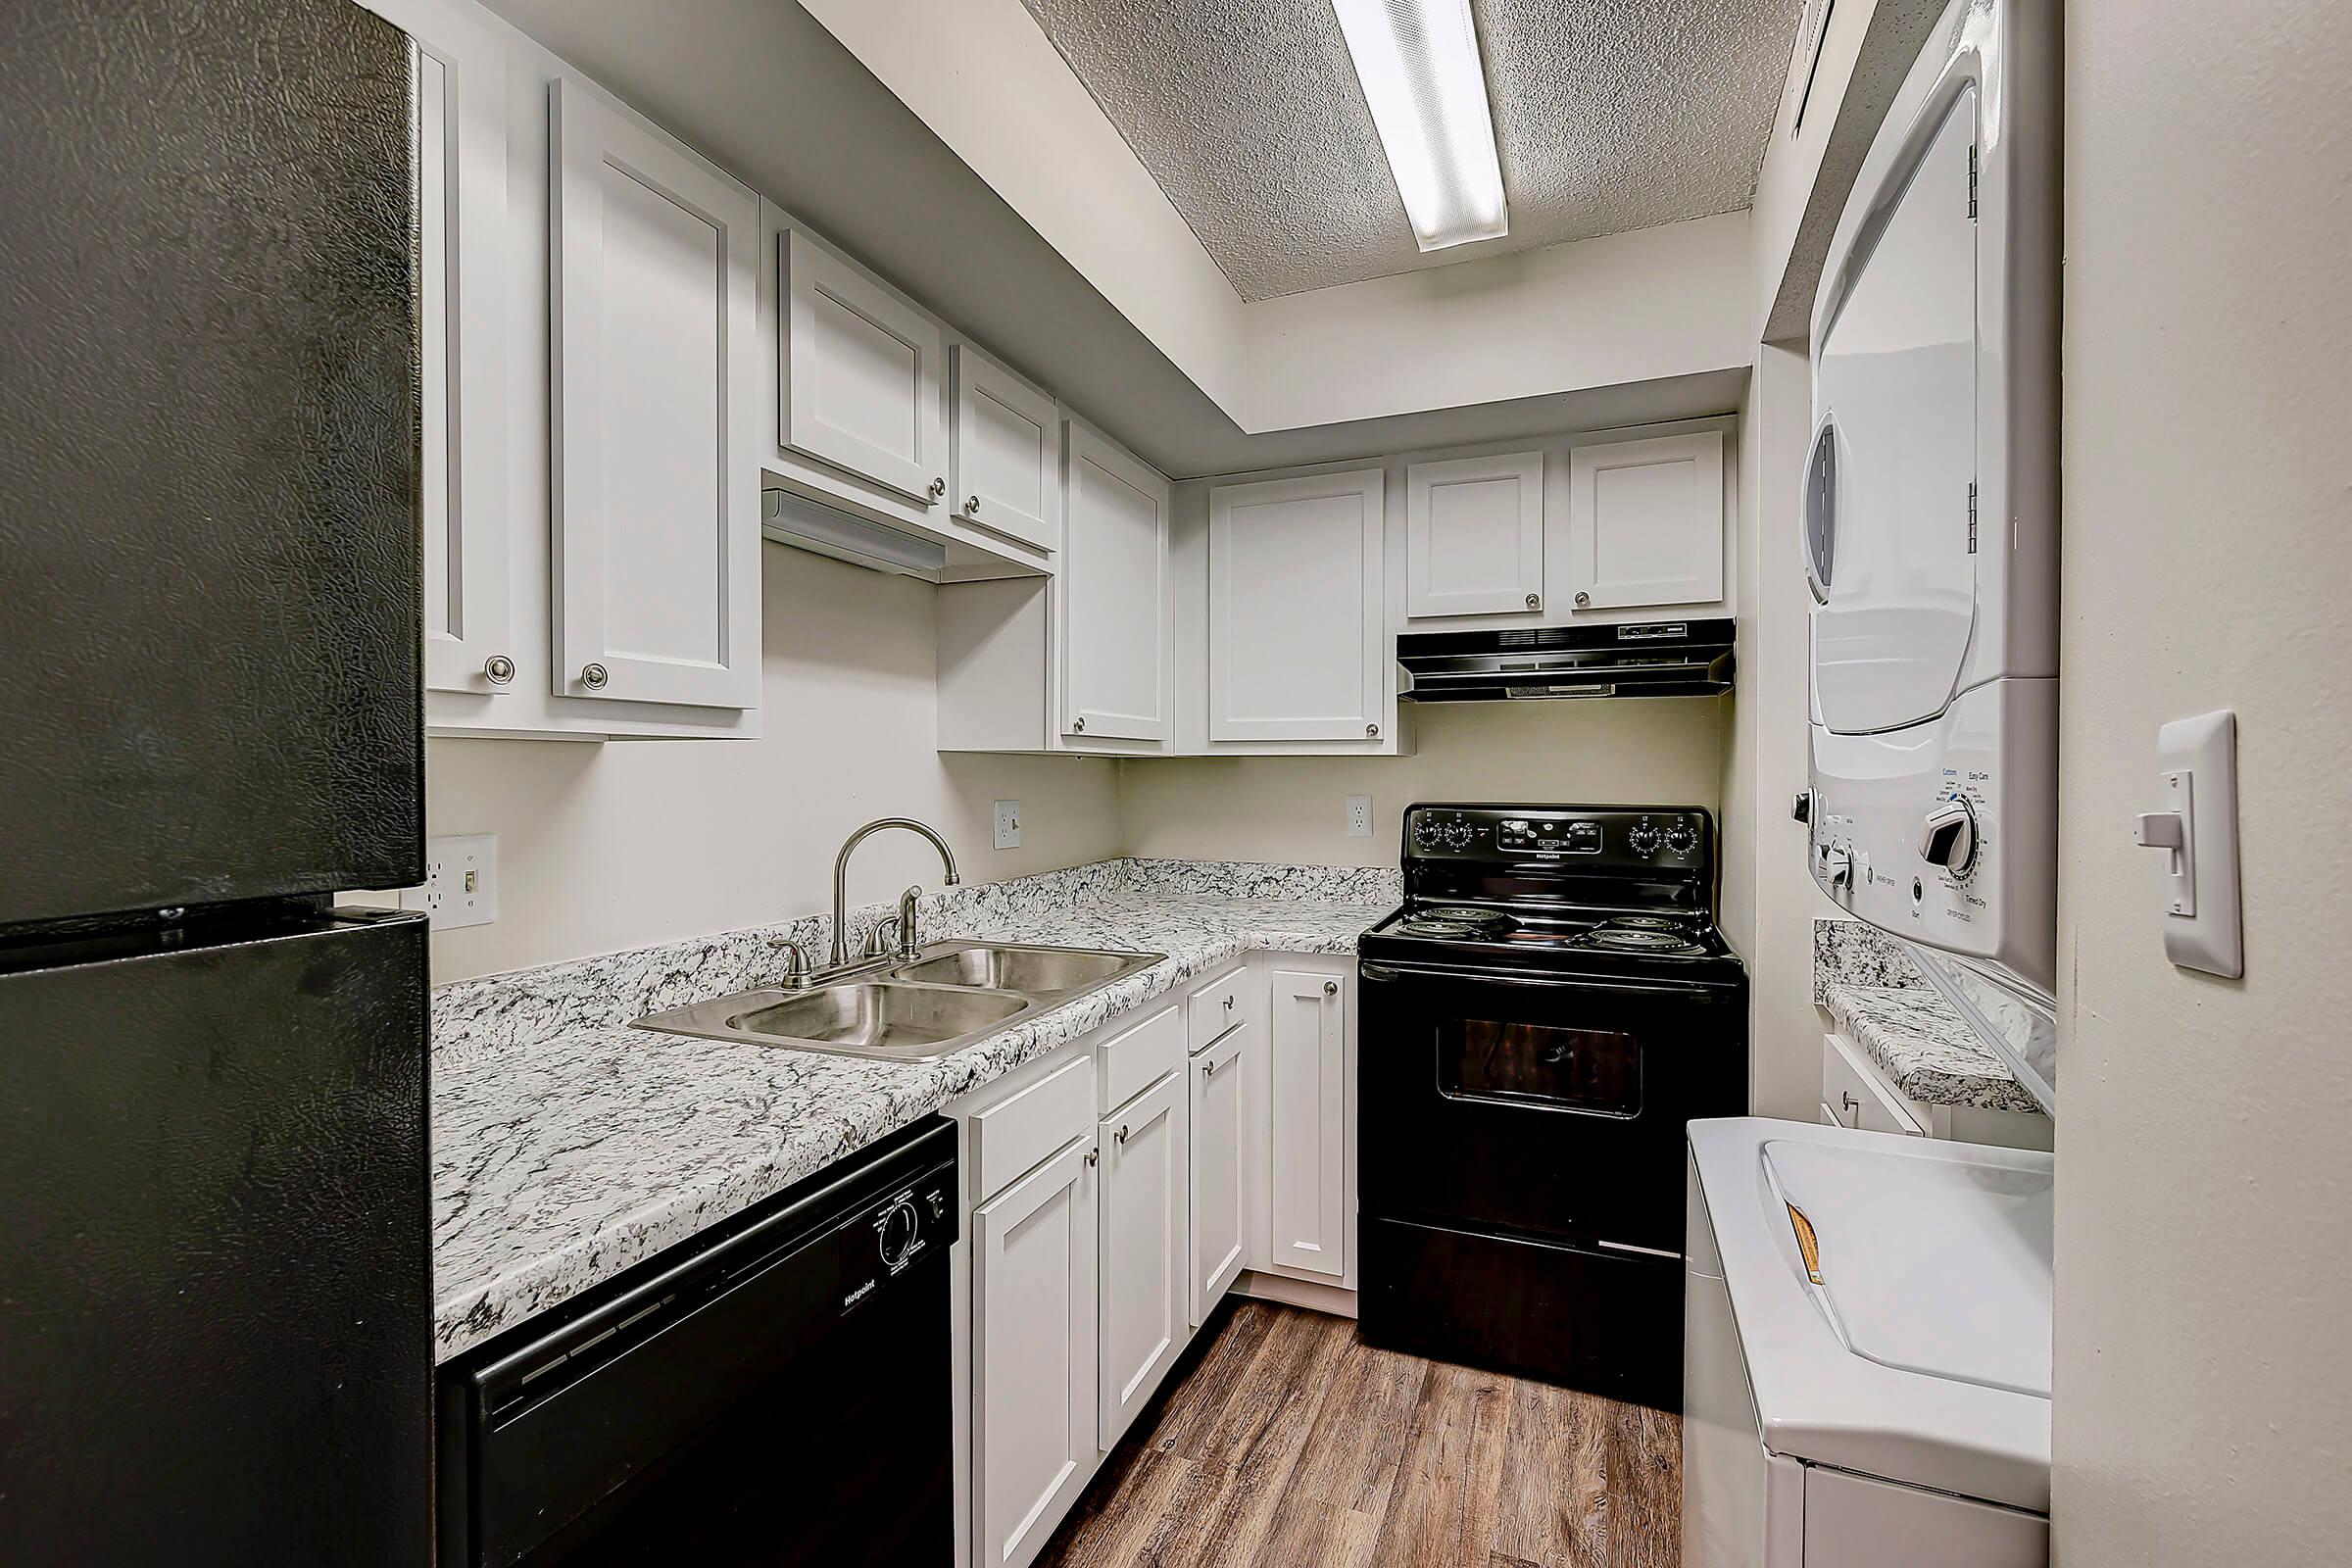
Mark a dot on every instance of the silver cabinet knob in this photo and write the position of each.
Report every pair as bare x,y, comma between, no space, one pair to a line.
1534,601
497,670
1121,1134
595,677
1372,730
938,487
1229,1002
1093,1156
1208,1069
1584,601
971,505
1078,726
1331,988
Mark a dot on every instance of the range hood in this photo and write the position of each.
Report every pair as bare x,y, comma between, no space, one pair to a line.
1632,659
796,521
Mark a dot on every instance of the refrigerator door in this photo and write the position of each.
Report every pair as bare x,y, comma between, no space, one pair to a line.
209,449
216,1272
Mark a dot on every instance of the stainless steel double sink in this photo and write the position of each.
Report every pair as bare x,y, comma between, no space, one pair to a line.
909,1009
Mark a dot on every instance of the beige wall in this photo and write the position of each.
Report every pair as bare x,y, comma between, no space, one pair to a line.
617,846
1769,900
2203,1401
1661,750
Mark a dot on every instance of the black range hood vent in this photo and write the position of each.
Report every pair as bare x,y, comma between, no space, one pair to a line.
1631,658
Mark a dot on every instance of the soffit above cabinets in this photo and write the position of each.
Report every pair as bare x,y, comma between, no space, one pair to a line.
1610,115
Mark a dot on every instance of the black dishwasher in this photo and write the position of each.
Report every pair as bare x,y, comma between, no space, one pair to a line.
775,1391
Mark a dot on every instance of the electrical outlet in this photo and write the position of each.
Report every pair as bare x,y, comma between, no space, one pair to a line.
1359,816
1009,825
461,881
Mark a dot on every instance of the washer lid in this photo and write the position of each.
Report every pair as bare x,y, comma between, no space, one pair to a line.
1922,1355
1889,532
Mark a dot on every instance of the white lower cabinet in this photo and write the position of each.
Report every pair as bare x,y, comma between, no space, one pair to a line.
1142,1255
1218,1242
1310,1201
1033,1354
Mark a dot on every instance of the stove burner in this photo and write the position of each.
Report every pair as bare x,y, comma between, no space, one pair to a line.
1621,940
1455,922
1645,922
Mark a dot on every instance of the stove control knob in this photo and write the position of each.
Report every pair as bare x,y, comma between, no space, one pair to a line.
1457,835
1645,839
1427,834
1948,837
1682,837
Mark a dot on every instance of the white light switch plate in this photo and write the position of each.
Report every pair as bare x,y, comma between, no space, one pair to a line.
1009,825
461,881
1359,816
2197,760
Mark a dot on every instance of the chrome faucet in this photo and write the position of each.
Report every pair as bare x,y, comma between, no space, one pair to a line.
841,879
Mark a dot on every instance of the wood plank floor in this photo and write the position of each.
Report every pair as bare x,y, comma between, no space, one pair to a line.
1290,1445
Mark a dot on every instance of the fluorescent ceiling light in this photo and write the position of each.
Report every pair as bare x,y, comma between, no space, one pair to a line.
1418,61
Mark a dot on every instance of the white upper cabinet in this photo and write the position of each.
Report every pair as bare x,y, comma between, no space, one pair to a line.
460,103
1114,616
1645,522
1007,452
1474,536
861,375
657,503
1296,639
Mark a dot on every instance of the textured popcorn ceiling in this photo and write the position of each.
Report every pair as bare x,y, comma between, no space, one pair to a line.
1611,115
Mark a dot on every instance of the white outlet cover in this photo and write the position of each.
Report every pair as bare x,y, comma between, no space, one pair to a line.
1009,825
461,881
1359,816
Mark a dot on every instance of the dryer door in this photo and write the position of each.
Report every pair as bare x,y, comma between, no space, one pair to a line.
1889,537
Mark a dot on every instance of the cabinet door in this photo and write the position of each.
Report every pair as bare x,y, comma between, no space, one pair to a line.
1033,1354
1474,536
861,376
1307,1149
657,499
1007,452
1142,1254
1218,1235
1112,596
1295,634
460,104
1645,522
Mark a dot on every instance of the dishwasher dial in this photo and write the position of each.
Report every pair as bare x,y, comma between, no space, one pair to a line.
901,1231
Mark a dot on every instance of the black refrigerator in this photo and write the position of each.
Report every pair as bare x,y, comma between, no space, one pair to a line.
216,1272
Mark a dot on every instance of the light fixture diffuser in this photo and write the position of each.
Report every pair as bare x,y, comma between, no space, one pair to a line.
1418,60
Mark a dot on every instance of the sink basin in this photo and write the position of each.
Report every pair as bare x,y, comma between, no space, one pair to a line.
879,1016
1037,971
928,1006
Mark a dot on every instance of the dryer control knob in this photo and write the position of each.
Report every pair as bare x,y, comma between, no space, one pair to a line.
1836,866
1948,836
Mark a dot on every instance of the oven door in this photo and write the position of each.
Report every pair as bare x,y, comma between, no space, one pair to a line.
1541,1106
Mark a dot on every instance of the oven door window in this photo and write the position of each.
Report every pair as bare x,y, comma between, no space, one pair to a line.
1597,1072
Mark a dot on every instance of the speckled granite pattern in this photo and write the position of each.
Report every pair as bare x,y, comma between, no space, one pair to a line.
567,1147
1921,1043
1848,953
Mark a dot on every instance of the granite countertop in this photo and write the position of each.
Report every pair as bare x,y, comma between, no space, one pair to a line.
567,1145
1880,1001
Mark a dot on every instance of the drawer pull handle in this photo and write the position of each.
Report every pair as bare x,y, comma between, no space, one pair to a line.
1208,1069
1121,1134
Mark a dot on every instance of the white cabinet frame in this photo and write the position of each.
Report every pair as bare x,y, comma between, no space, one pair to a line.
1510,490
461,253
1113,613
1308,1202
1686,513
590,143
1001,422
817,281
1339,616
1142,1213
1217,1238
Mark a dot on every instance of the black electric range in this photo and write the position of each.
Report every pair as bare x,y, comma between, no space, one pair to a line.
1547,1009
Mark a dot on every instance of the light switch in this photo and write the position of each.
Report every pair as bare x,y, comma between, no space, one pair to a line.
1009,825
2195,830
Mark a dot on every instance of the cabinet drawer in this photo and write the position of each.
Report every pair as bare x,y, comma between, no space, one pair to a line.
1136,1057
1219,1006
1853,1094
1012,1137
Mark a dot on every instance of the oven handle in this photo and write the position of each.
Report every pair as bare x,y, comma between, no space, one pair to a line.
1381,972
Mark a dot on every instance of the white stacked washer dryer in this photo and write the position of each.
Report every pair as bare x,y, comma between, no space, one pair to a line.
1867,1317
1930,507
